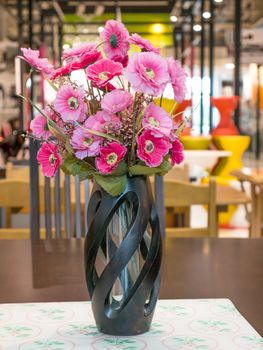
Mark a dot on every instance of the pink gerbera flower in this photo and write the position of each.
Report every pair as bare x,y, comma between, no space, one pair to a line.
156,118
103,71
85,144
178,79
177,155
70,103
144,44
148,73
49,159
39,127
81,63
116,101
75,53
115,36
152,147
39,64
109,157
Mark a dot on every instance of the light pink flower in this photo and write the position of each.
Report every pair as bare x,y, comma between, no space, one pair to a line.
178,79
85,144
75,53
81,63
144,44
115,36
156,118
103,71
109,157
101,120
39,127
116,101
177,155
49,159
148,73
70,103
39,64
152,147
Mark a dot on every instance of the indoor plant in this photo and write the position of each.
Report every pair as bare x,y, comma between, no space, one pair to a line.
111,131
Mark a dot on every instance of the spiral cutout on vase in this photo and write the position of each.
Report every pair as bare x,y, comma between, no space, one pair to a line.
123,258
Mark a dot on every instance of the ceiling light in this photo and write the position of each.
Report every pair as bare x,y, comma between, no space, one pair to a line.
197,28
218,1
173,19
230,65
206,15
100,29
158,28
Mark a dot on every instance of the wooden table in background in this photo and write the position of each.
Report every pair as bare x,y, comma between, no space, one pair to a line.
53,270
255,177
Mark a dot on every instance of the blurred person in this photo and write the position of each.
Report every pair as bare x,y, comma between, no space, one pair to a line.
11,138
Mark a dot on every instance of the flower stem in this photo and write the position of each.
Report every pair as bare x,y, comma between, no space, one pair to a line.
97,133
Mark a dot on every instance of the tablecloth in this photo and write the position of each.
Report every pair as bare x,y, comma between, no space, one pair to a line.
202,324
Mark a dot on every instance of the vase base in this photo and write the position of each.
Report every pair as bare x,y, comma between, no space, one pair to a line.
124,332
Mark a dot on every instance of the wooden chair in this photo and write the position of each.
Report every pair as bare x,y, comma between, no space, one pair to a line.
14,194
183,194
177,214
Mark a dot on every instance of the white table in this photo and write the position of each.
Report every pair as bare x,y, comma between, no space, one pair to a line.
202,324
203,160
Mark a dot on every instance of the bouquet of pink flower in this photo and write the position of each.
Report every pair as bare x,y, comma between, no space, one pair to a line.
110,128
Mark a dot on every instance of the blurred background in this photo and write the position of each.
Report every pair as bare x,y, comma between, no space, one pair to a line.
219,43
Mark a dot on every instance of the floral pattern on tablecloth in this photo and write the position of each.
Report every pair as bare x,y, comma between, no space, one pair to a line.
202,324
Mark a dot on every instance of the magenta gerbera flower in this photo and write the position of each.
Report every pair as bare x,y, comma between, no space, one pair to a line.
103,71
75,53
81,63
115,37
152,147
123,60
49,159
144,44
148,73
39,64
177,78
156,118
39,127
110,156
70,103
116,101
177,155
85,144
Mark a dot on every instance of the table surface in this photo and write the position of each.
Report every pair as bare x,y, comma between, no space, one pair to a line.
52,270
181,324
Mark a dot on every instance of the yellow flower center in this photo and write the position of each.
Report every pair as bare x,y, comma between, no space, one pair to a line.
52,159
150,73
87,142
111,158
154,122
73,103
103,75
149,146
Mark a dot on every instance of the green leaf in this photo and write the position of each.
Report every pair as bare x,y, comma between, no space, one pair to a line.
73,166
140,169
86,171
68,165
113,185
121,169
